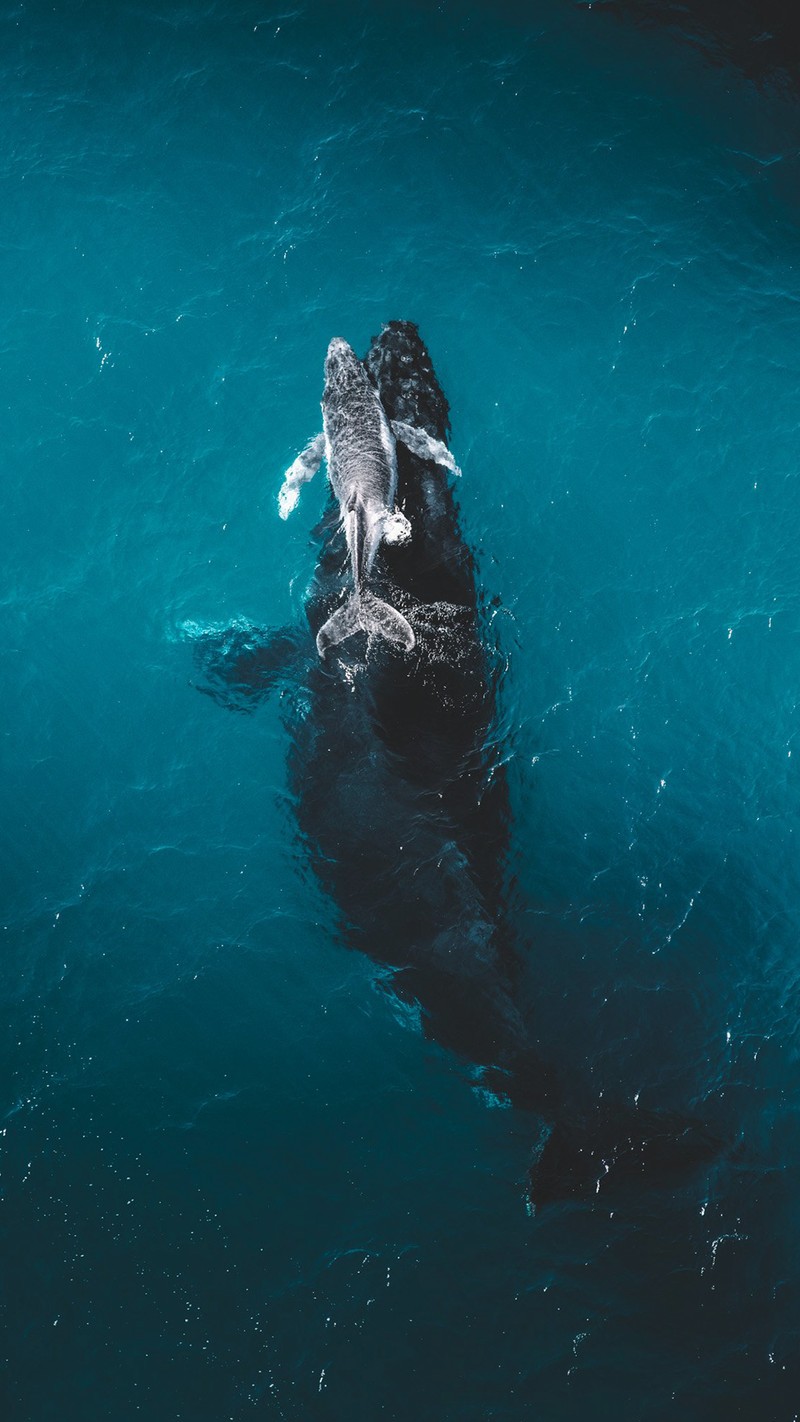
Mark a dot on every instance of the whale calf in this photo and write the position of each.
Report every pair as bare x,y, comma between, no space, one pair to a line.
359,446
398,780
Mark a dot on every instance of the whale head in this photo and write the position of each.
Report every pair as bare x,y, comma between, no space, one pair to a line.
342,365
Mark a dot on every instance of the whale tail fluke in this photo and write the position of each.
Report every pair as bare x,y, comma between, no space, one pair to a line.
365,612
622,1146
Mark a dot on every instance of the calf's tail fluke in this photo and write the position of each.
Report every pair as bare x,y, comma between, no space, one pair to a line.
365,612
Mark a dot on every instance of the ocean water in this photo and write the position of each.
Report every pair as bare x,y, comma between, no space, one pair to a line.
236,1178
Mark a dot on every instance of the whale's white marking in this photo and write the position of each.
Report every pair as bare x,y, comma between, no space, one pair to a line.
396,528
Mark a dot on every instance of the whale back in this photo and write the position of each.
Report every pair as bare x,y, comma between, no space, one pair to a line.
360,446
437,565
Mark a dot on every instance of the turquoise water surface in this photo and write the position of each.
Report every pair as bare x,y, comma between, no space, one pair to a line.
236,1178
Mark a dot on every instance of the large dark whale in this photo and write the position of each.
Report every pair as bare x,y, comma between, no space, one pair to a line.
402,803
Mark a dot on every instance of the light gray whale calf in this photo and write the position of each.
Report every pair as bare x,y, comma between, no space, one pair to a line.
358,444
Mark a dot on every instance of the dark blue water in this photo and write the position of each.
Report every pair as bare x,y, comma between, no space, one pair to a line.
236,1179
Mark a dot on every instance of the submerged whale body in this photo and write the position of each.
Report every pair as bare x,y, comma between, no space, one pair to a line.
402,802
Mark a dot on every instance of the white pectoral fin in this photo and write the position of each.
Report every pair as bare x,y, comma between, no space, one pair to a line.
304,468
423,444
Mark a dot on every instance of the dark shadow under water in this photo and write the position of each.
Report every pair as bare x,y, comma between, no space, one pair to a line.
760,38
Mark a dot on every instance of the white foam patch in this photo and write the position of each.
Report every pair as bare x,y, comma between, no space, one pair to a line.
396,529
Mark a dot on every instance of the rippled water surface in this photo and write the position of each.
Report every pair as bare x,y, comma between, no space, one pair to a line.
236,1178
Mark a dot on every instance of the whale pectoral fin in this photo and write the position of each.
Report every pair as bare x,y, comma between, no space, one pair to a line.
304,468
396,528
423,444
238,665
